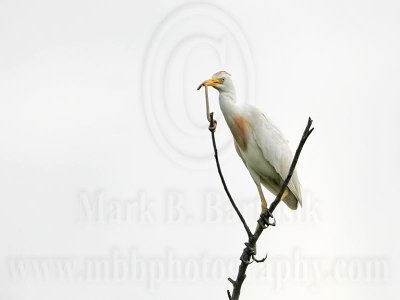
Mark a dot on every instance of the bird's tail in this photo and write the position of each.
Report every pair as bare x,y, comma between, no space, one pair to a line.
291,200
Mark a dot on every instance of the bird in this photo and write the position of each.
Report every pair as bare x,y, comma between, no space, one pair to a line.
258,142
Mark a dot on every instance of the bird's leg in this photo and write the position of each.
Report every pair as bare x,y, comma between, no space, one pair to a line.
264,204
265,213
265,217
285,193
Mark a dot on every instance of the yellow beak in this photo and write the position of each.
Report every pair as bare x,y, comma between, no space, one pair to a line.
210,82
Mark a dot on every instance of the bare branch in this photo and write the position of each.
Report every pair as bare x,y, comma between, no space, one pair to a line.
212,127
306,134
229,295
249,252
253,239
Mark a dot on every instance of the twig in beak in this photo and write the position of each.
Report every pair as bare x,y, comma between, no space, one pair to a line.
207,103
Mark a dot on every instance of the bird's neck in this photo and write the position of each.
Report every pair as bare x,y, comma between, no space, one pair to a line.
227,103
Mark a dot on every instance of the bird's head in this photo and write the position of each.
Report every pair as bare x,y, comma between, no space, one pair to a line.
221,81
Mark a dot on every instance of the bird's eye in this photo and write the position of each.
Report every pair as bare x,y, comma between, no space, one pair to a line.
222,79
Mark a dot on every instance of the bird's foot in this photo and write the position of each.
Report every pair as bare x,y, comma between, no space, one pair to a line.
260,260
245,260
265,219
248,254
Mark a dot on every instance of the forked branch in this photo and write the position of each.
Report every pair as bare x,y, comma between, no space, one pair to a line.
249,252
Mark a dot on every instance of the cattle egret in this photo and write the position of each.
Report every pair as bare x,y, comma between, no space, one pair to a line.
258,142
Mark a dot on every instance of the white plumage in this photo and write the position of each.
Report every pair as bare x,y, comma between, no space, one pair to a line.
258,142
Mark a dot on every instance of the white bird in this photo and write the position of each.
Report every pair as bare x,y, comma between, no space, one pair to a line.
258,142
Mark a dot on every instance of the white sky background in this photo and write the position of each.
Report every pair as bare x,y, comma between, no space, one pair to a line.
106,160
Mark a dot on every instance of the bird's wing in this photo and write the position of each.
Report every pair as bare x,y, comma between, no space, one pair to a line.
275,149
239,153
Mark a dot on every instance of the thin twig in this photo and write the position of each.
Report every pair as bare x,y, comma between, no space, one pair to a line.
207,105
229,295
212,128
